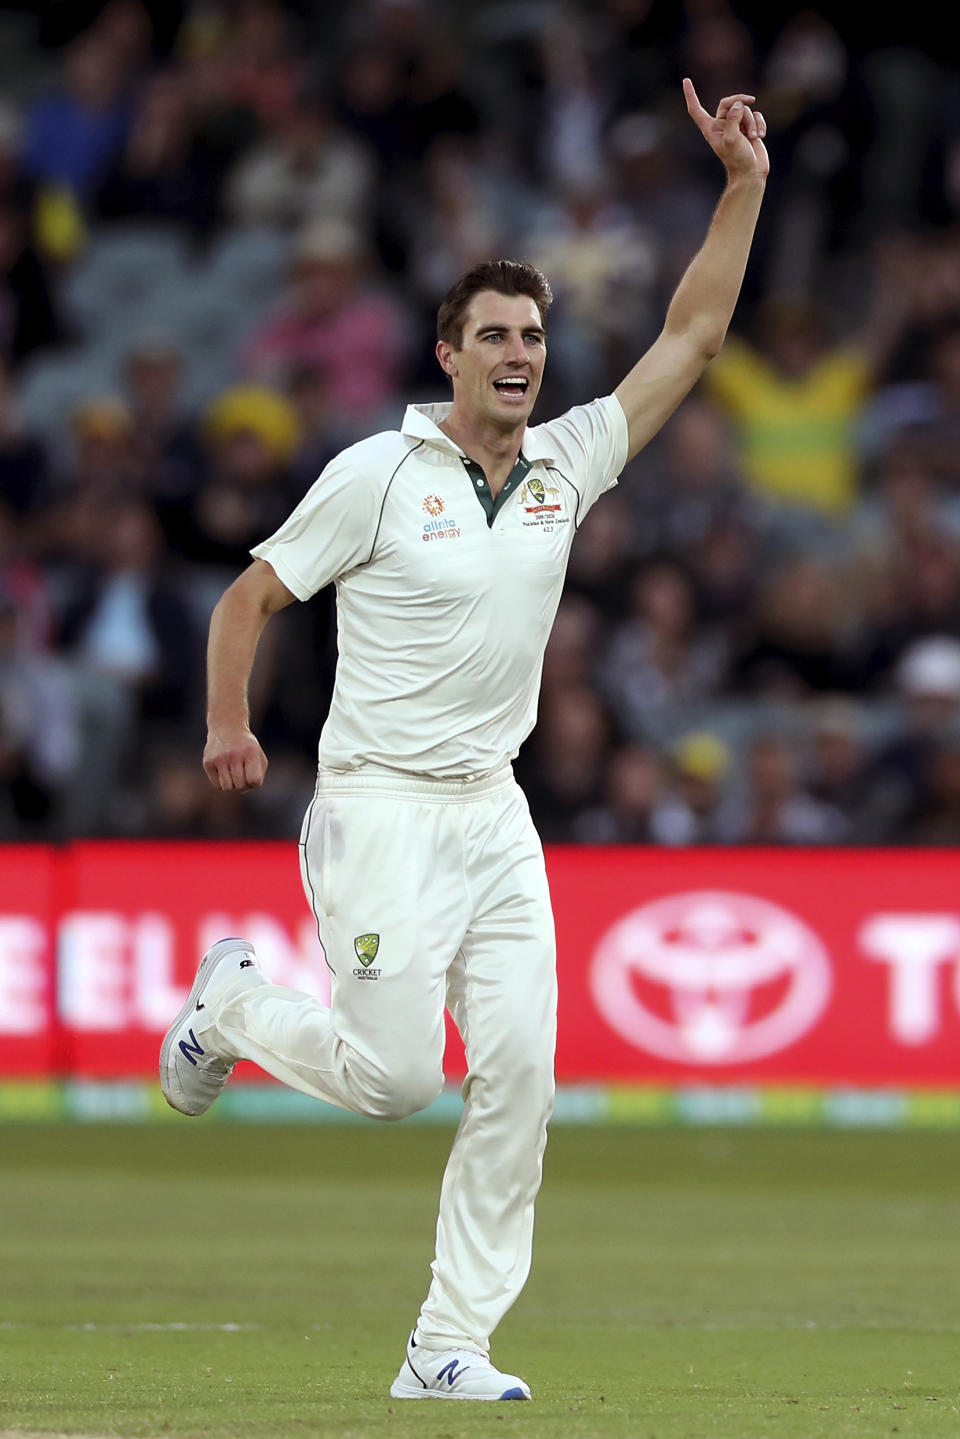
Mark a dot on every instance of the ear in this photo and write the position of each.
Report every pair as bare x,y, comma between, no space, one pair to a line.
446,356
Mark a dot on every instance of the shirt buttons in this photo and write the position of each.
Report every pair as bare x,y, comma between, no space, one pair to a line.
479,484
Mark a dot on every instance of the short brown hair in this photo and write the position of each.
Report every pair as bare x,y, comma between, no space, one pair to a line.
504,277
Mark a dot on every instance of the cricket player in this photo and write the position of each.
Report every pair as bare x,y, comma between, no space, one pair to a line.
447,542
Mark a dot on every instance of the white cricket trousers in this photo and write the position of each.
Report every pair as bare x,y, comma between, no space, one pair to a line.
430,893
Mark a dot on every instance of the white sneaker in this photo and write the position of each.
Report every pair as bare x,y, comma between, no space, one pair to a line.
192,1076
453,1374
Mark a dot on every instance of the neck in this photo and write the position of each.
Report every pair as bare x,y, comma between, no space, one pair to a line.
484,442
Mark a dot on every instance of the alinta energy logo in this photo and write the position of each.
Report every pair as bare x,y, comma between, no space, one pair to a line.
710,978
437,528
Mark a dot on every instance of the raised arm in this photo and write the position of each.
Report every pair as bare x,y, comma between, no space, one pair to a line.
703,304
233,759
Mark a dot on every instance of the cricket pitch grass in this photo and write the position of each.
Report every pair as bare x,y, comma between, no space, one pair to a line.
240,1282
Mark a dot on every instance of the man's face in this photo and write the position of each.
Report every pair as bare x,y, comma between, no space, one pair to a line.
498,369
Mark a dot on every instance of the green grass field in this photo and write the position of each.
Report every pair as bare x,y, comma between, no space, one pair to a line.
685,1284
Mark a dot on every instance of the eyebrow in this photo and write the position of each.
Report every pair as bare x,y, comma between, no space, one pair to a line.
502,329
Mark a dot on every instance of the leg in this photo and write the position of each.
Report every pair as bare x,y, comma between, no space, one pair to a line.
371,867
502,993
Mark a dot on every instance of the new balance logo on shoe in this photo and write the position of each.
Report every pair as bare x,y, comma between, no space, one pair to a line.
193,1050
452,1371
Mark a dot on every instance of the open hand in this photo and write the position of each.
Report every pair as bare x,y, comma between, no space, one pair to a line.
735,134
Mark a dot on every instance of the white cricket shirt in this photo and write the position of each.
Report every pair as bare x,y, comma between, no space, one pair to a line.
445,596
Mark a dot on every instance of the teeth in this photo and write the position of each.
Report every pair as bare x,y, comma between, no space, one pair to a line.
513,384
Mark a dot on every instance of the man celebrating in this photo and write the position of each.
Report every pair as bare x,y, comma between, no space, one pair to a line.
448,543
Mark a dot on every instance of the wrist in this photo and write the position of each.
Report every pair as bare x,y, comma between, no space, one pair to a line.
220,724
746,180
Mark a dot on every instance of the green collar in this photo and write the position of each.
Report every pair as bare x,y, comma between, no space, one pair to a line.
481,488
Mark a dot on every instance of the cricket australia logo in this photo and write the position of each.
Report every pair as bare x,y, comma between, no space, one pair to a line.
538,498
365,947
542,504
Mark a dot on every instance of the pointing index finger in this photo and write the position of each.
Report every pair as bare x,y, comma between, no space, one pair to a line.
690,95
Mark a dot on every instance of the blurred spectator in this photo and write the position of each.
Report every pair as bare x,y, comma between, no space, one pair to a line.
797,643
928,682
24,469
448,225
307,168
372,104
317,422
936,819
694,811
104,455
816,117
127,26
73,134
572,647
838,774
918,596
24,588
252,436
563,763
29,315
905,507
632,795
719,51
166,444
930,408
671,204
696,484
795,398
577,101
162,173
17,190
337,323
39,736
602,268
126,619
601,555
658,658
439,101
258,67
776,809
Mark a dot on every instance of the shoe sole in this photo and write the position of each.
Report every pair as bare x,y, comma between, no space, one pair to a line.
405,1391
168,1079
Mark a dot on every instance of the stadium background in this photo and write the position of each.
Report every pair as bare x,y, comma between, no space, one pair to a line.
224,231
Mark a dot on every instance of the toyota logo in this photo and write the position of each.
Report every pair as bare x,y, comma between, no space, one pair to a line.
710,978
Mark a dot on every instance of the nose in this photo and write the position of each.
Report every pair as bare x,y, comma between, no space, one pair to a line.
516,350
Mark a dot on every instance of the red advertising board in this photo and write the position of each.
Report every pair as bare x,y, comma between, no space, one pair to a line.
134,921
721,966
28,1030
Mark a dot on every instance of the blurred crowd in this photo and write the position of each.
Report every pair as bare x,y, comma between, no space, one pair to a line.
225,227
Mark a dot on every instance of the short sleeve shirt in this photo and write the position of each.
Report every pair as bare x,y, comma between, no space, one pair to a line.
445,597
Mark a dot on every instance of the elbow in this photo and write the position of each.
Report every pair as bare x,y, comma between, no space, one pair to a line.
702,339
709,342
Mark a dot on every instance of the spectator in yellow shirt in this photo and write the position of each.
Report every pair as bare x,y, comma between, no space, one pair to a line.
795,402
795,398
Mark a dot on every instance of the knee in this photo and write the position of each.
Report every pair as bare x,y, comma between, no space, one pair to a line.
405,1091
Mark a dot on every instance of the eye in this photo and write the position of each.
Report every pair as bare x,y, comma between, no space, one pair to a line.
493,339
533,339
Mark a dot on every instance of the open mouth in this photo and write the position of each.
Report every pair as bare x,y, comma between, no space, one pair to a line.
515,386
